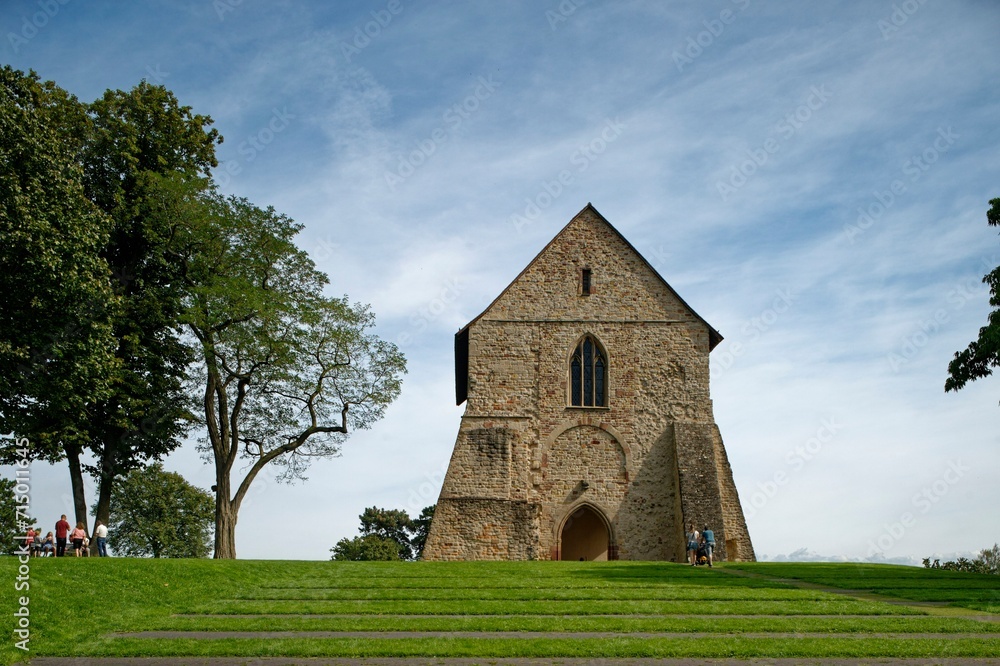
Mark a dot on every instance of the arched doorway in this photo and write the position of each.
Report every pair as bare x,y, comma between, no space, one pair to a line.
585,537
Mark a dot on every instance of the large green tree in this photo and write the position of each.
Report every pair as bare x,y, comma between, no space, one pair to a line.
286,372
134,139
421,528
392,524
91,345
386,534
57,349
155,513
983,354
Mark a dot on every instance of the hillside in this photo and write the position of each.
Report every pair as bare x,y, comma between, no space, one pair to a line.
127,607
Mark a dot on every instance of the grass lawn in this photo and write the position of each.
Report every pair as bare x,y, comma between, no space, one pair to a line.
101,607
973,591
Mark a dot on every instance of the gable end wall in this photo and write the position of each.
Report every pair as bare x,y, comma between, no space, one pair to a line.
648,461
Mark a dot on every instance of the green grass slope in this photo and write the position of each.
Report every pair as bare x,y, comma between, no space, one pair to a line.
974,591
108,607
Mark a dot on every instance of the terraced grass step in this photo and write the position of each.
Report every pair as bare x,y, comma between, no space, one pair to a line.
515,635
196,611
616,623
806,606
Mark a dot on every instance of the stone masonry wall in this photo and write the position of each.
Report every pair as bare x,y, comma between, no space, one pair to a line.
649,461
484,529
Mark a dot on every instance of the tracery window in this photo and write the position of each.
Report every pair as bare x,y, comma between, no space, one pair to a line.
588,371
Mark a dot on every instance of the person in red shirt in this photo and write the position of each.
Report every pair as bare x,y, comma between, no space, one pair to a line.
62,530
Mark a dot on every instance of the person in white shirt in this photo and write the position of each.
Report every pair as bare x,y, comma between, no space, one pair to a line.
101,534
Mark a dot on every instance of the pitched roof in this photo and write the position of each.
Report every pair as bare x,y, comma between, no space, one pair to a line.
462,336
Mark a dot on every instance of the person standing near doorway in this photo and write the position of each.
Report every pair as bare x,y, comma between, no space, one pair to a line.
62,531
692,545
708,536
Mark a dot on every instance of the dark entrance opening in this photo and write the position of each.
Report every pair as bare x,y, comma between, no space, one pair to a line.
585,537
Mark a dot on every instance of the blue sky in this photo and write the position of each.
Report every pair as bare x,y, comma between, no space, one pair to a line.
812,178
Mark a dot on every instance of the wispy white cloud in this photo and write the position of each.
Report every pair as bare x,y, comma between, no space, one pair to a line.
839,109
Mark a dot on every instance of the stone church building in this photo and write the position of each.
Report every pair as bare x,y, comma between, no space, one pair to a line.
588,431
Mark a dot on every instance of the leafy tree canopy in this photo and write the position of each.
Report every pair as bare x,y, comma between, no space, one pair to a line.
91,355
421,528
56,340
386,532
983,354
155,513
132,141
367,548
143,270
392,524
285,372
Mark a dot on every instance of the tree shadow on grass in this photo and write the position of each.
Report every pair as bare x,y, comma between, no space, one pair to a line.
667,573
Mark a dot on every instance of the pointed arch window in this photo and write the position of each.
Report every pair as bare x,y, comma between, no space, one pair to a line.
588,371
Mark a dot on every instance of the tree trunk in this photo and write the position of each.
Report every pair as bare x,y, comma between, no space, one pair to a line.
225,520
105,482
103,513
225,531
76,481
104,485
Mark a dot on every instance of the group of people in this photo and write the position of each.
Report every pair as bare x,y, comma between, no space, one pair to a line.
703,541
54,543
